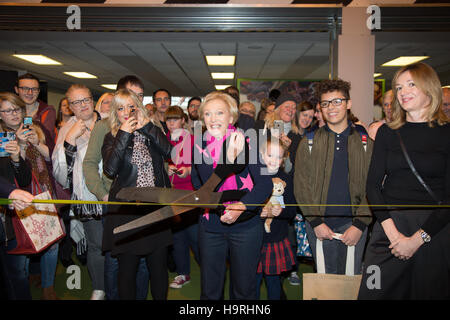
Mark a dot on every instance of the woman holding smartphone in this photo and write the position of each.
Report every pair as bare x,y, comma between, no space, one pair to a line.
35,149
133,154
281,123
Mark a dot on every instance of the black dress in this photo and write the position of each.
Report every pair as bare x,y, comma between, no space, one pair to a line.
426,275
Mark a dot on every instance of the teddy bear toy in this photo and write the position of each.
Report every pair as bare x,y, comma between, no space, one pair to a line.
275,199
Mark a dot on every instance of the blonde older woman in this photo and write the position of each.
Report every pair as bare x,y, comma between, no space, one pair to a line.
281,123
406,242
133,155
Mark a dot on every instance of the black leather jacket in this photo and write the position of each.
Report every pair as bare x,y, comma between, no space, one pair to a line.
117,152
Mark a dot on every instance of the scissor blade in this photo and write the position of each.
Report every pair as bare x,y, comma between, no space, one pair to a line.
152,217
152,194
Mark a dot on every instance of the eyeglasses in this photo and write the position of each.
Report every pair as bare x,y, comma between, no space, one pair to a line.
10,111
27,89
194,106
335,102
78,103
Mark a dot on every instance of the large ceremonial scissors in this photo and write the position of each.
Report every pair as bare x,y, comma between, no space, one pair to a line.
180,201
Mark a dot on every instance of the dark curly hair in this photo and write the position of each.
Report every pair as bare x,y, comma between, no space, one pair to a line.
332,85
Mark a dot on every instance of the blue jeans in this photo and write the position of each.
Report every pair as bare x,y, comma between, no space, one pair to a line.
16,273
244,250
273,285
182,240
49,260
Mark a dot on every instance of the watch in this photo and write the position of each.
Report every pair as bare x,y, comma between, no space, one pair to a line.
425,236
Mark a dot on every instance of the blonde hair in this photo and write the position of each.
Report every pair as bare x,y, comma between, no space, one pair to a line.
425,79
98,106
275,115
17,101
119,99
229,101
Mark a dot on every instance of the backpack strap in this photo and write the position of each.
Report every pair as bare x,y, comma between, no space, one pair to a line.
310,136
363,134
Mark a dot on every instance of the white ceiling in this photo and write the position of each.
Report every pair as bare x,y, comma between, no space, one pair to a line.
176,60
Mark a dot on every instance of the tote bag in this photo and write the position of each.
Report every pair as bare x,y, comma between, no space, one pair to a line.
37,227
322,286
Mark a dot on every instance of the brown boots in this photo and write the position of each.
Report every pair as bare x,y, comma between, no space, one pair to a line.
49,294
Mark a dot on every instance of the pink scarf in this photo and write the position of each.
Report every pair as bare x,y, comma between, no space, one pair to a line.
214,148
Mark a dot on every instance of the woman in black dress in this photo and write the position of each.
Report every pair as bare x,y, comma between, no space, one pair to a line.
408,255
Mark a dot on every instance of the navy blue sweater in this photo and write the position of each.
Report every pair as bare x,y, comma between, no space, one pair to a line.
261,191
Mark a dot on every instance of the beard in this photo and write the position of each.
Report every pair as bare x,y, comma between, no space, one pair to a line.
193,117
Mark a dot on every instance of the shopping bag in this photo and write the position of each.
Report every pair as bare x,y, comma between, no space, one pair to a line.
37,227
322,286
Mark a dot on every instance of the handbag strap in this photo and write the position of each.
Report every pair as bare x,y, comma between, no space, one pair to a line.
349,265
413,169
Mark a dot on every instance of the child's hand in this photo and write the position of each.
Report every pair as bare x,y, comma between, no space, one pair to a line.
232,212
276,210
267,210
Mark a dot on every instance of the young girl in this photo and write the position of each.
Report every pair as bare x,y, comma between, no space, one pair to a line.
133,156
223,236
185,228
276,253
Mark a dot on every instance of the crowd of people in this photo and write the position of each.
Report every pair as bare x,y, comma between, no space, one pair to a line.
311,176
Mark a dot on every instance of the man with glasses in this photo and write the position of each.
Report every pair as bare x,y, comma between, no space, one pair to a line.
67,162
162,100
27,88
99,185
331,168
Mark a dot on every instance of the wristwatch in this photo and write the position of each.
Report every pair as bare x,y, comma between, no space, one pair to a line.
425,236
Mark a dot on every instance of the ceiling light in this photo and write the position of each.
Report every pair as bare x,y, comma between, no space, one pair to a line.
110,86
81,75
222,75
376,75
404,61
222,86
220,60
37,59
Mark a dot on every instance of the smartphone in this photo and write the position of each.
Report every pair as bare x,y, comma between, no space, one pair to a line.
5,137
27,122
279,124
